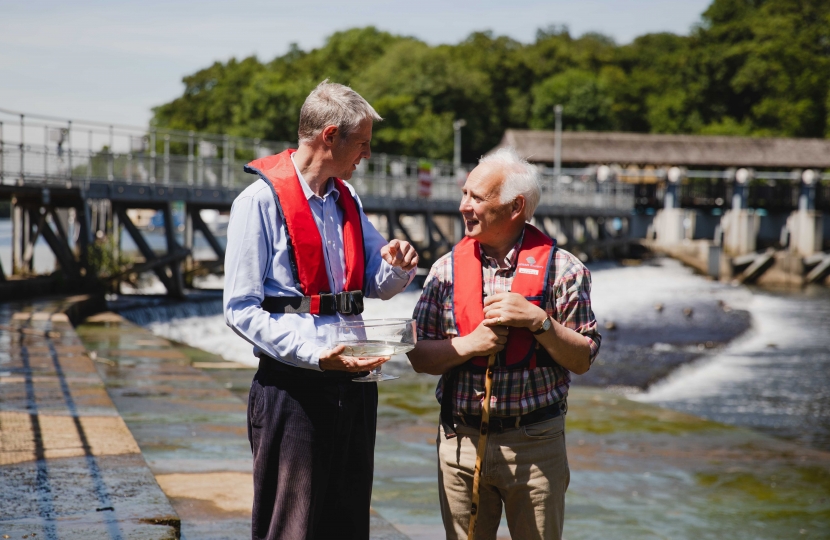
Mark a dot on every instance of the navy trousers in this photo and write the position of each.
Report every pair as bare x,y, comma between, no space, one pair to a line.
313,441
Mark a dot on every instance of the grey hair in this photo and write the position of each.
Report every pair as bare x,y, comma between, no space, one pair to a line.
521,178
332,104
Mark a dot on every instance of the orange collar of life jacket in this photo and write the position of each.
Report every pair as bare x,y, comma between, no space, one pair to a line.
305,245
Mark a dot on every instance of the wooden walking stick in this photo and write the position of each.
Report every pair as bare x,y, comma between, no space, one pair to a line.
482,445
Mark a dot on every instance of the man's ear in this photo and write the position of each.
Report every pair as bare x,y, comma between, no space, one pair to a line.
329,133
518,207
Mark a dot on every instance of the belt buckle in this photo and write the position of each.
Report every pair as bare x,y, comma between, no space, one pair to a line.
349,302
343,302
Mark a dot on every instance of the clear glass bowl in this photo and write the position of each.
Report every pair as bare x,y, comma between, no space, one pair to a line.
373,338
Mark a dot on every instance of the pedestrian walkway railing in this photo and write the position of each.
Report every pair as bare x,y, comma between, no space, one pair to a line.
42,150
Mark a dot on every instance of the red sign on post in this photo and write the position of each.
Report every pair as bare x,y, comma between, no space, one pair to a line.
424,180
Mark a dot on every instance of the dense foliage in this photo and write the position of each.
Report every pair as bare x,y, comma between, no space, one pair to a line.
751,67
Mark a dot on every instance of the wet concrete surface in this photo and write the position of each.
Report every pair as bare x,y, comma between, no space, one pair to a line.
191,430
69,467
187,411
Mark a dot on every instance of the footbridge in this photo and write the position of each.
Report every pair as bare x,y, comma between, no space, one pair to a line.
80,186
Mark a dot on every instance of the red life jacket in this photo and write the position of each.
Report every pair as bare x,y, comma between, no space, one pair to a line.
305,245
531,281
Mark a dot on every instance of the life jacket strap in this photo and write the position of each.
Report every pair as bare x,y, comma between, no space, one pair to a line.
345,303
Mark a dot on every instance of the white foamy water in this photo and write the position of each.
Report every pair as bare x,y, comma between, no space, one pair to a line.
620,293
778,324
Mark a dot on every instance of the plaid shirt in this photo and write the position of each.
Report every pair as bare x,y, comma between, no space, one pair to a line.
515,392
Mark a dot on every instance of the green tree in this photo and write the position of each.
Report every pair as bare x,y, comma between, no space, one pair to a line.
585,103
210,97
751,67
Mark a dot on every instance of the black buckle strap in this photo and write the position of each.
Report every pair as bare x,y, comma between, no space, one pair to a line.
349,303
498,424
345,303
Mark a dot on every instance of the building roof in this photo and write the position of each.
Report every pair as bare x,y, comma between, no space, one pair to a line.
589,147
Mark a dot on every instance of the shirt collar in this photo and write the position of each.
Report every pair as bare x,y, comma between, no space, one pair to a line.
330,188
510,259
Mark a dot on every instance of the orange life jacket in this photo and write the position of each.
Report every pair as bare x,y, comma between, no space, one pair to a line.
305,245
531,281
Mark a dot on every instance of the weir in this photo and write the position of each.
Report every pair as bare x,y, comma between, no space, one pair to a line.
81,185
780,241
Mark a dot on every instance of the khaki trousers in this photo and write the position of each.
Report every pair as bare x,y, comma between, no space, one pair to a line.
526,469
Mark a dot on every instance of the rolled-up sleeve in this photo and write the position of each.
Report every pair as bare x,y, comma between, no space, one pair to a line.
573,306
248,258
382,279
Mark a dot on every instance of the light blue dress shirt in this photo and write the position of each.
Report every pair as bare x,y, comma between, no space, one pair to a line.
257,265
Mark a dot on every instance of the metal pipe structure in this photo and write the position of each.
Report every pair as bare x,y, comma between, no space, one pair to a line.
22,150
557,156
69,147
456,151
153,156
167,159
190,158
110,157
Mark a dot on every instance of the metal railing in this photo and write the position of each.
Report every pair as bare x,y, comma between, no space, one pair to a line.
47,151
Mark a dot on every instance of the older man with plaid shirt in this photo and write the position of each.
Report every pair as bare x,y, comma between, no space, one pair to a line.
505,290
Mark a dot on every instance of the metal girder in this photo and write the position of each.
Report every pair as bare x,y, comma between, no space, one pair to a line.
59,248
29,237
176,279
820,270
143,247
157,195
403,229
201,226
164,260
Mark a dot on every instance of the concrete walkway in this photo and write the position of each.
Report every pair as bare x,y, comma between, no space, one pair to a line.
69,467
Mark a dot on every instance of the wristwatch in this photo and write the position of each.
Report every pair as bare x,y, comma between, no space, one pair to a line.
544,328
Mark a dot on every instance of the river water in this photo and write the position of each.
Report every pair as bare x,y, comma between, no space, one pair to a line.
733,354
738,355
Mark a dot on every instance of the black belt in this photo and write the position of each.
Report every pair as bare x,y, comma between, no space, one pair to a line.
267,363
345,303
498,424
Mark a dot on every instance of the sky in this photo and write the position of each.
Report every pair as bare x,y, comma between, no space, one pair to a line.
113,60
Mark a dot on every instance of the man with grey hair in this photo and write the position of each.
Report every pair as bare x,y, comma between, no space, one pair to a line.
302,254
509,315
